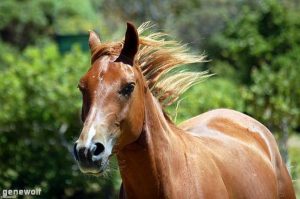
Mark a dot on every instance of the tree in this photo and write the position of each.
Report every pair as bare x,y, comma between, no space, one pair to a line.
262,49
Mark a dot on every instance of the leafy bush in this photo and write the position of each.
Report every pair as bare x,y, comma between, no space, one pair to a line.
261,51
28,22
39,120
258,37
210,94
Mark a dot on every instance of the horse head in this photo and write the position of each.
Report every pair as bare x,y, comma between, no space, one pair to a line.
113,107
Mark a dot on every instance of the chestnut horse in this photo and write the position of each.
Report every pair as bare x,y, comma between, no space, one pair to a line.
218,154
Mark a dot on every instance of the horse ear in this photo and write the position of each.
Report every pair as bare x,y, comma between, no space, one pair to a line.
93,40
131,45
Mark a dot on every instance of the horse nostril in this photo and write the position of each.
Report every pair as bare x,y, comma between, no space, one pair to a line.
99,148
75,151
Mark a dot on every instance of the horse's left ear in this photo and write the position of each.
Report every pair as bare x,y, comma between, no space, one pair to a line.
131,45
94,40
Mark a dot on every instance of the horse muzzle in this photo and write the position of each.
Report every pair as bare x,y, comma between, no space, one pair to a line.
91,159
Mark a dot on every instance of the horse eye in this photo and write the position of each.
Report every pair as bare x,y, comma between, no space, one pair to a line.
127,90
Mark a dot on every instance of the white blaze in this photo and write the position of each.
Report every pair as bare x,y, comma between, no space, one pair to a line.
91,134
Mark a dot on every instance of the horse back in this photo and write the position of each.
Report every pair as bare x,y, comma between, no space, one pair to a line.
232,133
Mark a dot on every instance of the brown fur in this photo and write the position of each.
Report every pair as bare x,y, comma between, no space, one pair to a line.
218,154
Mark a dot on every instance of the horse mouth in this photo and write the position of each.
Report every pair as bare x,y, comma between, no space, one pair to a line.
95,169
97,174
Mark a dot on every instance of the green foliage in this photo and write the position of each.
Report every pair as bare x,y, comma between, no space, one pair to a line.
262,48
274,97
39,119
210,94
38,78
294,166
258,37
75,16
193,21
261,51
27,22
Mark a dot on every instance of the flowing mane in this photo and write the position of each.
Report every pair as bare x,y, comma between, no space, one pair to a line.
157,57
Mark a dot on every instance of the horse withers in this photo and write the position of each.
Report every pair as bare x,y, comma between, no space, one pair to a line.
218,154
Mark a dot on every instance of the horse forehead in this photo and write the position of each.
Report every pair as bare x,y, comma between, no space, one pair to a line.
94,72
105,71
117,70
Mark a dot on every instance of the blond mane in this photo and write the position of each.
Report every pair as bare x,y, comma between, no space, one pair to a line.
159,59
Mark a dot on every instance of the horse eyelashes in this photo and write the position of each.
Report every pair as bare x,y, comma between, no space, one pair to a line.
127,90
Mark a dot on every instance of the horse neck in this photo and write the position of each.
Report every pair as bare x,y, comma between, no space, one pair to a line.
142,162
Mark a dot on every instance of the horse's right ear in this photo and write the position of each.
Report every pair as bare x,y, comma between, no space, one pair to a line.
131,45
93,40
